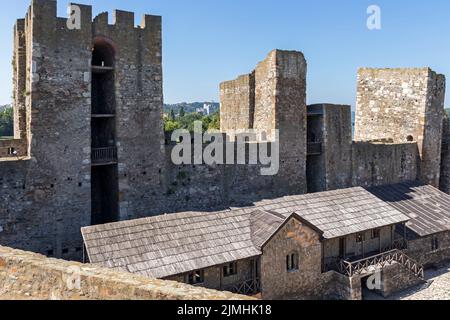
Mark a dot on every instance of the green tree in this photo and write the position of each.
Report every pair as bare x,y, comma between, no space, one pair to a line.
7,122
170,126
182,112
214,121
172,115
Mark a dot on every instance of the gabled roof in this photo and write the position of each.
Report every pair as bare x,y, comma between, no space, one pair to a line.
163,246
427,207
168,245
338,213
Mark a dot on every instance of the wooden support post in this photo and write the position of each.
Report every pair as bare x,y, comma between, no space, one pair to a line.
379,242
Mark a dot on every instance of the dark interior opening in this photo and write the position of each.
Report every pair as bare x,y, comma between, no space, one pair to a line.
105,194
102,54
103,93
104,172
103,132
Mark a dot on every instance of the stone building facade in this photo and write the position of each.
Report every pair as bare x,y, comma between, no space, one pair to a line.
324,245
89,143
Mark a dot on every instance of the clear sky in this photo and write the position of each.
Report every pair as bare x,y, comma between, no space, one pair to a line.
209,41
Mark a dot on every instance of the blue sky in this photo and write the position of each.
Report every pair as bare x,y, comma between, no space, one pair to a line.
209,41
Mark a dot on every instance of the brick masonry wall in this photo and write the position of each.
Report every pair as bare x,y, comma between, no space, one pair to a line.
379,163
400,103
25,275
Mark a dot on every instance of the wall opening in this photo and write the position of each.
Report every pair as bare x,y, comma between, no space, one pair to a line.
104,172
105,194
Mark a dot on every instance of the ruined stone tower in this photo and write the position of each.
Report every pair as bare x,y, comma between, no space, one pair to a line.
273,97
403,105
88,130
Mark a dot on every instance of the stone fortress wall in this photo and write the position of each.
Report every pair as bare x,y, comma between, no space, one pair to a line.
25,276
47,188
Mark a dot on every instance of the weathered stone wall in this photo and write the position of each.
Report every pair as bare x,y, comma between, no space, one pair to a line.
279,102
445,158
341,287
395,278
139,101
237,104
48,197
384,163
422,251
338,146
403,105
25,275
290,114
276,281
331,168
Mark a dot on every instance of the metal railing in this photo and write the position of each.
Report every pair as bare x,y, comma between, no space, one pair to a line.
104,155
249,287
314,148
381,260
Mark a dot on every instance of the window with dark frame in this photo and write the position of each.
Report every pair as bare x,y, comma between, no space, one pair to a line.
230,269
196,277
434,243
292,262
359,238
376,233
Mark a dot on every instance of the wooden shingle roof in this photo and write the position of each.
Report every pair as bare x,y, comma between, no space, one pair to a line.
427,207
163,246
338,213
173,244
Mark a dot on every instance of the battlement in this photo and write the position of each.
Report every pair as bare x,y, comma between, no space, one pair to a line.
46,10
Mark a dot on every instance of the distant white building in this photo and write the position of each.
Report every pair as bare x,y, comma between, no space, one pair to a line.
206,110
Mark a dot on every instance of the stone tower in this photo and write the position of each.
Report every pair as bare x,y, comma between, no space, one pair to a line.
273,97
88,145
329,161
403,105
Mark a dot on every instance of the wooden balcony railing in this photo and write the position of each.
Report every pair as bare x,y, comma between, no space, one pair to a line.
381,260
104,155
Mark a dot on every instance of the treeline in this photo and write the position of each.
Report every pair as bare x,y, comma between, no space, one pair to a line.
6,121
184,120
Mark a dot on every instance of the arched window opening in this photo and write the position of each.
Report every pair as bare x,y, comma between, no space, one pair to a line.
103,53
292,262
410,138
